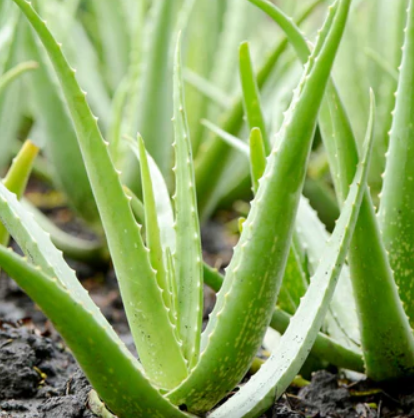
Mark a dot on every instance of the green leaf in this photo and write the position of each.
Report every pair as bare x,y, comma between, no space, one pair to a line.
341,320
251,95
18,176
154,110
15,72
188,256
11,110
147,315
153,235
396,215
62,148
259,393
92,252
114,37
257,156
162,201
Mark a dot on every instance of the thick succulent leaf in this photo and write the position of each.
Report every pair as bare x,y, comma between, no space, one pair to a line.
114,36
208,89
382,64
152,229
18,176
396,213
154,111
75,248
325,348
15,72
21,168
10,106
61,143
385,40
386,337
187,256
162,202
246,301
142,297
8,22
275,376
294,283
257,156
200,45
341,320
72,33
214,155
107,363
251,95
230,139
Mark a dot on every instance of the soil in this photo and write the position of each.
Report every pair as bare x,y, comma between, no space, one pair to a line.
40,379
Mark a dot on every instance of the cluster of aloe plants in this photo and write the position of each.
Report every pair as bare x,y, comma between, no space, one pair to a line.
284,256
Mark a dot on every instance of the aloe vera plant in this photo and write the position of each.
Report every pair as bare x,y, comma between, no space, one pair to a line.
161,274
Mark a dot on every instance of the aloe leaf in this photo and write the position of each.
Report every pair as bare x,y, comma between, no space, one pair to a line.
162,201
107,363
341,320
273,378
15,72
153,235
208,89
147,315
200,45
19,172
257,156
254,275
396,213
62,147
322,199
72,33
90,252
10,106
294,283
325,347
213,156
388,343
18,176
382,63
154,111
187,257
230,139
251,95
115,129
386,41
114,37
